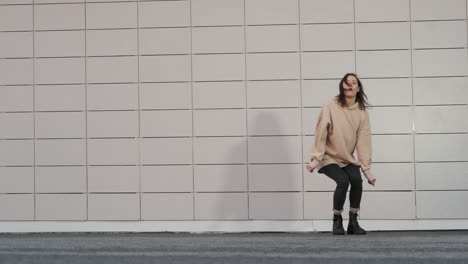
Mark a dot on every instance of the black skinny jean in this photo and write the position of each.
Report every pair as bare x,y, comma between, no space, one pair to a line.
349,175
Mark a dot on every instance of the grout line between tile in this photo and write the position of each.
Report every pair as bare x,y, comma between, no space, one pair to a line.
139,105
34,110
246,111
301,107
413,112
191,107
86,106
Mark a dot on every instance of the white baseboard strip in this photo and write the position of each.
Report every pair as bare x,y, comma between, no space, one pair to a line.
224,226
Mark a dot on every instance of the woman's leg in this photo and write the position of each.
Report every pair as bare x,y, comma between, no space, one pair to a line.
355,193
354,199
342,183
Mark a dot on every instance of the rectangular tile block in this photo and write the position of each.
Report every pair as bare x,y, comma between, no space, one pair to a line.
221,206
104,179
16,179
167,206
17,207
276,206
441,204
218,150
61,179
177,178
61,152
275,177
442,176
166,151
113,151
61,207
220,178
114,207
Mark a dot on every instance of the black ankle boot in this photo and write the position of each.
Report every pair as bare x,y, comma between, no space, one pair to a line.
338,225
353,225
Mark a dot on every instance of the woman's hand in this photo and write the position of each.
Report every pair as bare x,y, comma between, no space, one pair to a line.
312,165
370,178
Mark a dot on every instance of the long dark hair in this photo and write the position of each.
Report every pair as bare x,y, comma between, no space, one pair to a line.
361,97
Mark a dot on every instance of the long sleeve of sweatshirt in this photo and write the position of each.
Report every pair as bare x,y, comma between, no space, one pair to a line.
364,143
321,133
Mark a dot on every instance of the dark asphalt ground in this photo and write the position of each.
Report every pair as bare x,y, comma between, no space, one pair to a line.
116,248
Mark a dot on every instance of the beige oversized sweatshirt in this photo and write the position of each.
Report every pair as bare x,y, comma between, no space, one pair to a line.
339,131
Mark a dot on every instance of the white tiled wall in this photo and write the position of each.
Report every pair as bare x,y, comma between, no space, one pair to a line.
206,109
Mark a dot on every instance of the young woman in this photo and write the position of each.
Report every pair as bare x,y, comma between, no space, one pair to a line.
342,127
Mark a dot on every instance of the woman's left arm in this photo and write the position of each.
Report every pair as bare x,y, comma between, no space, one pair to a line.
364,143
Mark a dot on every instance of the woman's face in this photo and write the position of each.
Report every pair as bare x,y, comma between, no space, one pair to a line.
351,86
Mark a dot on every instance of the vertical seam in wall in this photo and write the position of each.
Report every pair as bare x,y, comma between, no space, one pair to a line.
139,108
413,112
300,103
354,27
355,51
191,108
246,114
34,109
86,107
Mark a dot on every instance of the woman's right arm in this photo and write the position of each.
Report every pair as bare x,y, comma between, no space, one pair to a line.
321,133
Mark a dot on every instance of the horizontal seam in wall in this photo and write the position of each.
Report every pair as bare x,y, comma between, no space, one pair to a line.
232,25
232,192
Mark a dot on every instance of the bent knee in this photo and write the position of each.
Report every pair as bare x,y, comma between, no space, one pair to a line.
356,182
343,184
